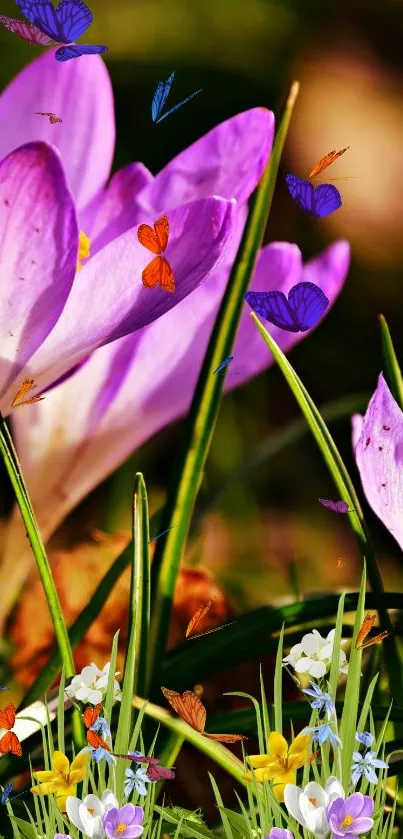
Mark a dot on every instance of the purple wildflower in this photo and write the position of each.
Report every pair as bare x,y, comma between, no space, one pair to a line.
322,701
351,817
125,823
280,833
378,445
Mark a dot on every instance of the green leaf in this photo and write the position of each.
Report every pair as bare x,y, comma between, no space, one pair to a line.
346,489
278,686
199,428
139,617
393,372
348,725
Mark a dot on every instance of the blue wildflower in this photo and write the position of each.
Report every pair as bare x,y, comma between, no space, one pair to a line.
365,765
102,725
322,701
99,754
365,737
136,780
324,734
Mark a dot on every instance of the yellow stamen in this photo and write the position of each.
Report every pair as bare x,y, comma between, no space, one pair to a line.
313,801
121,827
84,249
347,821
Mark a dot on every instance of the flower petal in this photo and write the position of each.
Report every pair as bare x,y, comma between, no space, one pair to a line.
118,210
277,745
280,783
80,93
379,456
317,669
228,161
60,763
259,761
292,796
73,806
108,299
38,254
45,775
78,768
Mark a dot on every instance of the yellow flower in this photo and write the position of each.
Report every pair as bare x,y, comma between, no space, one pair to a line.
62,778
280,763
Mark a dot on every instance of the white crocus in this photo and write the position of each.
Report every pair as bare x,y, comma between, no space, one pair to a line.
313,655
308,806
88,814
90,685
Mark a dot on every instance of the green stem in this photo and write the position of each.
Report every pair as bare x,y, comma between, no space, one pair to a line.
393,372
204,410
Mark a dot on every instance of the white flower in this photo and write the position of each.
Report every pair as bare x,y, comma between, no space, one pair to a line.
313,655
90,685
88,814
308,806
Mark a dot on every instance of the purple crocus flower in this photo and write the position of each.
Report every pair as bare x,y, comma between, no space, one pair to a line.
280,833
129,390
125,823
351,817
378,446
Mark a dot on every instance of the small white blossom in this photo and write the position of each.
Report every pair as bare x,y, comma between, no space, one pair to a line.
90,685
313,655
308,806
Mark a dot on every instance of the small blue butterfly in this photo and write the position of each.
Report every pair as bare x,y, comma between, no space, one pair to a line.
62,25
305,306
160,97
6,793
223,364
319,202
4,687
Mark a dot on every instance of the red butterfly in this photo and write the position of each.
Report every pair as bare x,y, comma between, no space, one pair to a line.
192,711
365,629
326,161
156,241
154,772
9,741
90,716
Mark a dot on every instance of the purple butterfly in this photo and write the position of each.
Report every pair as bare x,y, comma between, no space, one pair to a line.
319,202
305,306
335,506
48,25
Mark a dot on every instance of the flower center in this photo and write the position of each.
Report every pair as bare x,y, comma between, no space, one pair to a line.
121,827
84,249
347,821
91,810
313,801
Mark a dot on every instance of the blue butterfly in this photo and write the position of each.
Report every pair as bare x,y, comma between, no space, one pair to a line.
6,793
223,364
319,202
63,25
160,97
305,306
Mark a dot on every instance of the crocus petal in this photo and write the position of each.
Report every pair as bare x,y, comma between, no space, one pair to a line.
133,831
73,806
38,254
292,797
108,299
228,161
118,210
379,456
80,93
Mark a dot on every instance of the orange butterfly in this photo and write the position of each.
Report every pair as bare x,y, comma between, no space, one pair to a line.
197,618
365,628
90,716
326,161
26,386
193,712
9,741
159,269
311,757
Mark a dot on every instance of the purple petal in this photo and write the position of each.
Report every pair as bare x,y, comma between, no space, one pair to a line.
130,814
132,831
361,825
80,93
379,457
108,299
355,804
228,161
117,210
38,255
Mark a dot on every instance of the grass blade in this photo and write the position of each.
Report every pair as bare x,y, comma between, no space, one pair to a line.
199,427
393,372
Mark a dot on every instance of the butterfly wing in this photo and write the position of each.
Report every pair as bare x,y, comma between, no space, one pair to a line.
375,640
90,715
197,618
188,706
309,303
147,237
274,307
75,50
166,275
6,792
335,506
226,738
43,15
7,717
151,273
10,743
27,31
326,199
166,90
326,161
302,192
156,103
179,105
161,228
160,773
365,628
74,19
96,741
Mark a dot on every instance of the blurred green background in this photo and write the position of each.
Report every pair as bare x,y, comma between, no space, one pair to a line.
347,57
